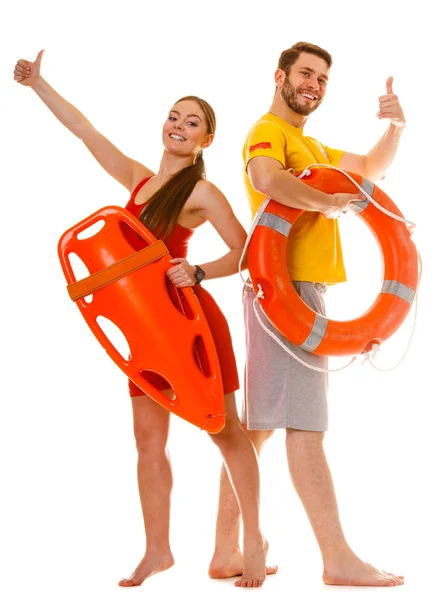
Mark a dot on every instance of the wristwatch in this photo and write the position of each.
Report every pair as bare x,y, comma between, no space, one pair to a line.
199,275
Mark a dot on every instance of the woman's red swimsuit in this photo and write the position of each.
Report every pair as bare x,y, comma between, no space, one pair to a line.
177,244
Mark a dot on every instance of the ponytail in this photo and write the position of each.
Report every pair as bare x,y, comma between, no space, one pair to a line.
162,211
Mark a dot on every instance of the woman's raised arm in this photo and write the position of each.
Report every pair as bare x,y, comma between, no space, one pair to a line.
125,170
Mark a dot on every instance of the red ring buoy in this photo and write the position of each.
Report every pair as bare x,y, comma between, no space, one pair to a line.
266,259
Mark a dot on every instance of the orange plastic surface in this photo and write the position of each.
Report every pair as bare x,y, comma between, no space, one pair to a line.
175,344
286,310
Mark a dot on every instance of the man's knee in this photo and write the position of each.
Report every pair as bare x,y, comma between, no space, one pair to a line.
258,437
302,437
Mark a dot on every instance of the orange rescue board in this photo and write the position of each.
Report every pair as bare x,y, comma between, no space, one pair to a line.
130,289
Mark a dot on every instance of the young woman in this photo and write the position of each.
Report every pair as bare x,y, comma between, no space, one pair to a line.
172,203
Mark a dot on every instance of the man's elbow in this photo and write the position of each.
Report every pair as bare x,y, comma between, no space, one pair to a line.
263,182
375,176
372,173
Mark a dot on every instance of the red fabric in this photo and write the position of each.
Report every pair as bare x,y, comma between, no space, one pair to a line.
265,145
177,244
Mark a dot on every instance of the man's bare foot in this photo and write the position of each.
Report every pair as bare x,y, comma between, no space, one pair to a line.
149,565
353,571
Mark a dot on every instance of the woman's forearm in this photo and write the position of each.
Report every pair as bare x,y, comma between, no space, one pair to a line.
65,112
224,266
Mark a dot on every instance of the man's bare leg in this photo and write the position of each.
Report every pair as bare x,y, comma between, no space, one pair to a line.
151,425
227,560
312,480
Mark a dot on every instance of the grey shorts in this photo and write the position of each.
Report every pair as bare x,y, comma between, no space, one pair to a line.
280,392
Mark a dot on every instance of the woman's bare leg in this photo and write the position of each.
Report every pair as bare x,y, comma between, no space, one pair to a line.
241,462
227,560
151,425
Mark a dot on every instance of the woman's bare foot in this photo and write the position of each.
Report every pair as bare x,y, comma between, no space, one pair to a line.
149,565
223,567
254,570
352,571
228,563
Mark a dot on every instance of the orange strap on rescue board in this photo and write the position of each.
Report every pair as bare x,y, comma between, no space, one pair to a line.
266,259
91,284
129,289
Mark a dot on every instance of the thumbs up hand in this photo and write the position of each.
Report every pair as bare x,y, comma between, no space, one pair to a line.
389,106
26,72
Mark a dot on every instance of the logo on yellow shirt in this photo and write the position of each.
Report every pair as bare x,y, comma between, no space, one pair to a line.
264,145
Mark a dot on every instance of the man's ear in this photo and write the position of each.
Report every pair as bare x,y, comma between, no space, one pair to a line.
279,77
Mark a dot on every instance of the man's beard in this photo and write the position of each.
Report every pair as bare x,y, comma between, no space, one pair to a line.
290,96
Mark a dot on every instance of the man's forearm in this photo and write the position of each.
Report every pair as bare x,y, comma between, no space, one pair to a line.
381,156
289,190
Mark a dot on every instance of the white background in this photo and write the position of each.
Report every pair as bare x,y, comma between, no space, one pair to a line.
70,519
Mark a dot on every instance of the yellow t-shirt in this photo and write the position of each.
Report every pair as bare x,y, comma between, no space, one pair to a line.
314,247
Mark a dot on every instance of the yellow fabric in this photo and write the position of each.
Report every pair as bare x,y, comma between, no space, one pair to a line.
314,247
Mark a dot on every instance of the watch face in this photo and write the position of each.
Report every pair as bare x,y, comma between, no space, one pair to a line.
199,275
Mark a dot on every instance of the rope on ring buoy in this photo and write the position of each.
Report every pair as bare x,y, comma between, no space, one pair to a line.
368,356
280,343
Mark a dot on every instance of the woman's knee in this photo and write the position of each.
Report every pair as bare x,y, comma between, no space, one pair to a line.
151,425
149,441
233,431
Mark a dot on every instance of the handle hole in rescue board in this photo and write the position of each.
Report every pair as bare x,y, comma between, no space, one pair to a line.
132,237
80,271
201,356
115,337
179,300
161,384
91,231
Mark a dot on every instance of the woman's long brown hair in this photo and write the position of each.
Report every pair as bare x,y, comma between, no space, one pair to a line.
162,210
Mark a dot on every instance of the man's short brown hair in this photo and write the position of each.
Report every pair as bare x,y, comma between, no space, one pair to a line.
288,57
